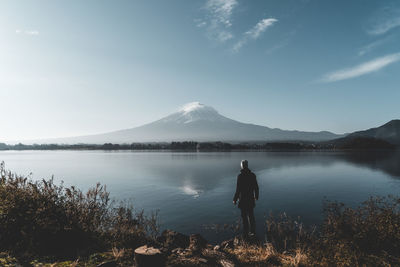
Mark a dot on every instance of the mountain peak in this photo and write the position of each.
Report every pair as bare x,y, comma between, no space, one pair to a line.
194,107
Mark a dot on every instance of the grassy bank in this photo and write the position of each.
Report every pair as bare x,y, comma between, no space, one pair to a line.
44,224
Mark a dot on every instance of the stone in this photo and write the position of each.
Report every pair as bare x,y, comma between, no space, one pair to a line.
149,256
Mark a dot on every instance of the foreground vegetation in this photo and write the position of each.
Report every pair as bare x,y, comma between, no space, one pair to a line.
43,224
41,219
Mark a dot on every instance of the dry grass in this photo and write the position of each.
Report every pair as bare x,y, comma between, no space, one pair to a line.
266,255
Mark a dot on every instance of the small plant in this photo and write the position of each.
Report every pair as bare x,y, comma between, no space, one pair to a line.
286,233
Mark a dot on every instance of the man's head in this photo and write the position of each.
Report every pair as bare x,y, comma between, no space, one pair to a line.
244,164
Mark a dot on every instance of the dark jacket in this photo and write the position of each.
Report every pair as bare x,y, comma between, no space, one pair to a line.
246,189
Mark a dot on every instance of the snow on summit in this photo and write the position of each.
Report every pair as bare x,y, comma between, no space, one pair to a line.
196,111
191,106
196,106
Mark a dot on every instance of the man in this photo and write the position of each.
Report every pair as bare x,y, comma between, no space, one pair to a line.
247,194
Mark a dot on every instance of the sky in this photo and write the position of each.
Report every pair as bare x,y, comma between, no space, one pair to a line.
70,68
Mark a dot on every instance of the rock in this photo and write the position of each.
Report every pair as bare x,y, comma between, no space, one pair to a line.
217,248
107,264
197,242
149,256
171,239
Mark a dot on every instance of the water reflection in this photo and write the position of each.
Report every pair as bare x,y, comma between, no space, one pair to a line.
386,161
197,173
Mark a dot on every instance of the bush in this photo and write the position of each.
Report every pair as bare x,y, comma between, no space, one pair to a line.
41,218
369,234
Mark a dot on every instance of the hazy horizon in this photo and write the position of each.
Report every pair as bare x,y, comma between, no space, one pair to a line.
79,68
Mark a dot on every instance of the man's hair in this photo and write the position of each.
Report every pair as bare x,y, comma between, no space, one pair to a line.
244,164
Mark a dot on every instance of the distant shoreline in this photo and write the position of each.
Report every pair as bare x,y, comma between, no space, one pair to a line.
192,146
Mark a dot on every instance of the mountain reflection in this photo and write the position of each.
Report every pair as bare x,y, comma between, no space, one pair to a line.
197,173
385,161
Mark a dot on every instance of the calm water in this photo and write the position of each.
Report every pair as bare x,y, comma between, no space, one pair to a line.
194,190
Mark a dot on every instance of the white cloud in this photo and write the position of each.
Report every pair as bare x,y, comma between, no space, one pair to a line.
236,47
385,26
221,10
224,36
254,33
368,48
386,19
218,19
32,32
362,69
260,27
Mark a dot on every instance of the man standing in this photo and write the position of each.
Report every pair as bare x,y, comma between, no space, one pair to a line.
247,194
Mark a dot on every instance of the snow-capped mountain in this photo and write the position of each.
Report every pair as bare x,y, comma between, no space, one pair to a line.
193,112
197,122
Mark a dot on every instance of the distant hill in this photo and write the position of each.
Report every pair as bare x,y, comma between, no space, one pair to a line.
386,136
389,132
196,122
362,143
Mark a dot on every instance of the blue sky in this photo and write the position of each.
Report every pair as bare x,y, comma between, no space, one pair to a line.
80,67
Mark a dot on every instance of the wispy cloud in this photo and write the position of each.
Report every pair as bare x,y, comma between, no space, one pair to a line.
385,20
385,26
254,33
371,46
218,19
362,69
32,32
260,27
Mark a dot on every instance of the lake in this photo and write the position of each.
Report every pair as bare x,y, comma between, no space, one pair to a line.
194,190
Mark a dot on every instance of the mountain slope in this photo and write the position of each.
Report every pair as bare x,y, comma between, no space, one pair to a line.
389,132
197,122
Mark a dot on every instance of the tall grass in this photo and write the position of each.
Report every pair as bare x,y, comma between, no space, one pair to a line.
42,218
368,235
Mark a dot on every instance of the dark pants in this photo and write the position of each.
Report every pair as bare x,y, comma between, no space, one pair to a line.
248,215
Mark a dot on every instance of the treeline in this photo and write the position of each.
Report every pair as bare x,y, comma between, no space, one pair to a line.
189,145
357,143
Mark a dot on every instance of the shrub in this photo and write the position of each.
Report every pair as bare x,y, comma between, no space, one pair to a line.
366,235
42,218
